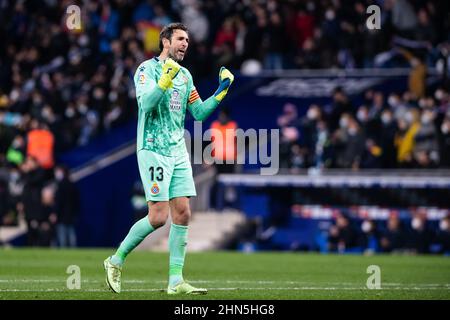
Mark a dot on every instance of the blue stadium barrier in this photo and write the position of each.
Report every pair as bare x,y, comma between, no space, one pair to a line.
106,212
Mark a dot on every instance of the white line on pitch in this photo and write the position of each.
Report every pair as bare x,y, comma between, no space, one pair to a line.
221,289
225,281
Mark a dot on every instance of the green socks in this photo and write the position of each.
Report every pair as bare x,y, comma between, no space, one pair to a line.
177,248
137,233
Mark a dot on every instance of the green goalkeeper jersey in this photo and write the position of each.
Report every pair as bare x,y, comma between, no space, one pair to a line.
162,112
161,118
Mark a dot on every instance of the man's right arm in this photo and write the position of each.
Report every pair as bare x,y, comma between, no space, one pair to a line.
148,93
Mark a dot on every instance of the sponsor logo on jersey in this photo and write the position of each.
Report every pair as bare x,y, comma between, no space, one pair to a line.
141,78
154,189
175,101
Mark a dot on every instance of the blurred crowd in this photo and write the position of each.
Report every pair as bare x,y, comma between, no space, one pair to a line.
416,235
78,82
60,88
46,199
399,130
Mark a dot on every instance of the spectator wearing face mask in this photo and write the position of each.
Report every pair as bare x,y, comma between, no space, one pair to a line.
349,141
387,139
341,104
368,239
309,127
420,237
362,115
426,147
322,152
397,105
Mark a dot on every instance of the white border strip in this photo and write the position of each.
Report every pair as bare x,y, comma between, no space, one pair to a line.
312,73
364,181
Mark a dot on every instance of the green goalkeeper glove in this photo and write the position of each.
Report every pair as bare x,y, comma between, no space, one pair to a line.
169,71
226,78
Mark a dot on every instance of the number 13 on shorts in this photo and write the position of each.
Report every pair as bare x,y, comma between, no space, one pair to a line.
165,177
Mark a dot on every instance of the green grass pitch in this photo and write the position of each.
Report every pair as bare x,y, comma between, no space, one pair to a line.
41,274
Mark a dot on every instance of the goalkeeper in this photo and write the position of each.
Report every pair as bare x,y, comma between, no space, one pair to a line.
164,91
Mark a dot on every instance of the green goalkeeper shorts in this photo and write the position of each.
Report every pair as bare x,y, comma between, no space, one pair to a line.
165,178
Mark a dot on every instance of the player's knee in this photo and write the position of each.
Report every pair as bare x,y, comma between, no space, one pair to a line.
183,215
157,222
158,219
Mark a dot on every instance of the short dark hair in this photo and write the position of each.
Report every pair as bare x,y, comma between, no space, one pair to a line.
167,32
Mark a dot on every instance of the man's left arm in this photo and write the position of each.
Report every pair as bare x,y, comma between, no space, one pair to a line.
199,109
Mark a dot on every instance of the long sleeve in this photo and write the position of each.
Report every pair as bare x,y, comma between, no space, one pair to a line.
150,99
201,110
148,93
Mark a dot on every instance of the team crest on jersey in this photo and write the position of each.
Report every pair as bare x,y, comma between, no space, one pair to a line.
154,189
175,101
185,79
